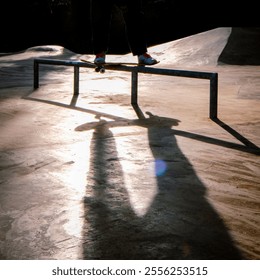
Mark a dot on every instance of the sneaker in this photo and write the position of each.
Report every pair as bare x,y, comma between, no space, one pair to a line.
100,58
146,59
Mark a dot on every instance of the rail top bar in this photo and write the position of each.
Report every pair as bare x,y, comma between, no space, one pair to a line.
140,69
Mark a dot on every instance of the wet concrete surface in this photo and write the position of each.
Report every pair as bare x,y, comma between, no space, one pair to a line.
85,178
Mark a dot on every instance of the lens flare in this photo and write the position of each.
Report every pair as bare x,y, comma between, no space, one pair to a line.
160,167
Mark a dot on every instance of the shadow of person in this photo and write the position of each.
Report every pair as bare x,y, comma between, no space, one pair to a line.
179,224
109,220
190,227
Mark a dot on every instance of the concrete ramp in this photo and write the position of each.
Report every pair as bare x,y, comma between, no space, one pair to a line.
196,50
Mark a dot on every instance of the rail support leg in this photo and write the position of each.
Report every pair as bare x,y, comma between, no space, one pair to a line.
76,80
35,74
134,88
213,110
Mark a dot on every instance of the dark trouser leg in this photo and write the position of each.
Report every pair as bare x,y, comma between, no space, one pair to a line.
135,26
101,11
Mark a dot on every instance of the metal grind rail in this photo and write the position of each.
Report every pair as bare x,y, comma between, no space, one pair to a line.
212,77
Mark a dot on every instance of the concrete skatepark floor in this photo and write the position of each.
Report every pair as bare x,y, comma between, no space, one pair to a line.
85,178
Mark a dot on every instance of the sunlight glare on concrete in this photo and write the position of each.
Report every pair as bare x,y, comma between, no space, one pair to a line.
74,177
103,83
139,174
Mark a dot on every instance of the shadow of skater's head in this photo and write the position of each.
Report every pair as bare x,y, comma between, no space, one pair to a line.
162,121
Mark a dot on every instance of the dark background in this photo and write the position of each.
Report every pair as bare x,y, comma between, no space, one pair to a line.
30,23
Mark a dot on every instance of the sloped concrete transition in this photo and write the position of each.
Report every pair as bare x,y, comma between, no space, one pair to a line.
85,178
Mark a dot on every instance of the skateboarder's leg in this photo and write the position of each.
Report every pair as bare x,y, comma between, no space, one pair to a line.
101,11
135,26
136,31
